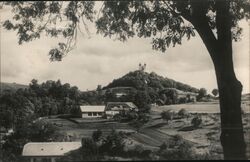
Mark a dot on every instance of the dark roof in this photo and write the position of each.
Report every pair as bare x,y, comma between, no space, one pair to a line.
129,104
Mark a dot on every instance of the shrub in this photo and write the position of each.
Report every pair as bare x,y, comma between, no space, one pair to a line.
182,100
196,121
143,117
167,115
96,135
113,144
117,117
132,115
183,113
176,149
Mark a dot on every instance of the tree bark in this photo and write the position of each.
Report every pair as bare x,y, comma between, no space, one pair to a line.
232,134
220,50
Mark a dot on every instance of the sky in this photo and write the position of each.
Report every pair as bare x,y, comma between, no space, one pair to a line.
98,60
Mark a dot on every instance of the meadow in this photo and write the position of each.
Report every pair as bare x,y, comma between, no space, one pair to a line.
151,135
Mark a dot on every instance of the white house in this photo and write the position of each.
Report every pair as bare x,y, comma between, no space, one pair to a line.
113,108
48,151
90,111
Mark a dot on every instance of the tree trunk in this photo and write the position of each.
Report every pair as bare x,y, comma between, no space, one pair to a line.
220,50
232,135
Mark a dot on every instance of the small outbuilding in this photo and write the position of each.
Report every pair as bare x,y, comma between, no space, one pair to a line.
92,111
48,151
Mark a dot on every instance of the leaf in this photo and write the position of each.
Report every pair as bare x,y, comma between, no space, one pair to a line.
8,25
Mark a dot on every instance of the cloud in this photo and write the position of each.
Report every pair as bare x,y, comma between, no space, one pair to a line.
99,60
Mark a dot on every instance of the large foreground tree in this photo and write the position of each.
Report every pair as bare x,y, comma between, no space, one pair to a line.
167,23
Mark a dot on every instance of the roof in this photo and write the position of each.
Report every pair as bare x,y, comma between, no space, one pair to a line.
91,108
49,148
130,104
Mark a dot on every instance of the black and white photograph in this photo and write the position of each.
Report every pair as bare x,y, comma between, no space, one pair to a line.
124,80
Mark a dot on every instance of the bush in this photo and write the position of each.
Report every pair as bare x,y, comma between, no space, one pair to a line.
132,115
117,117
196,121
139,152
167,115
147,108
182,100
176,149
96,135
183,113
143,117
113,144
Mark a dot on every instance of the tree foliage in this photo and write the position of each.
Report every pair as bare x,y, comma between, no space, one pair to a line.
154,82
215,92
183,113
32,19
202,93
113,144
196,121
166,22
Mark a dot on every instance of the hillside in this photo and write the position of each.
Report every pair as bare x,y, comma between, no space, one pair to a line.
12,86
142,80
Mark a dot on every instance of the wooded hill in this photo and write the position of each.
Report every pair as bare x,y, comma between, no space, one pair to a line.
141,80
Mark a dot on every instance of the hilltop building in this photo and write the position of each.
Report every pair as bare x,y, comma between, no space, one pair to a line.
120,91
142,67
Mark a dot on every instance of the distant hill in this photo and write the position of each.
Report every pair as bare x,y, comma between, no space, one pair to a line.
12,86
141,80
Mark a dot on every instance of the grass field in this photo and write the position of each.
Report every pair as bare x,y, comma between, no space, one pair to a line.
200,107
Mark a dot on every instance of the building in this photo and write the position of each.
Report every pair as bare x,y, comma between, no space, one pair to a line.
48,151
119,91
92,111
113,108
175,96
120,94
